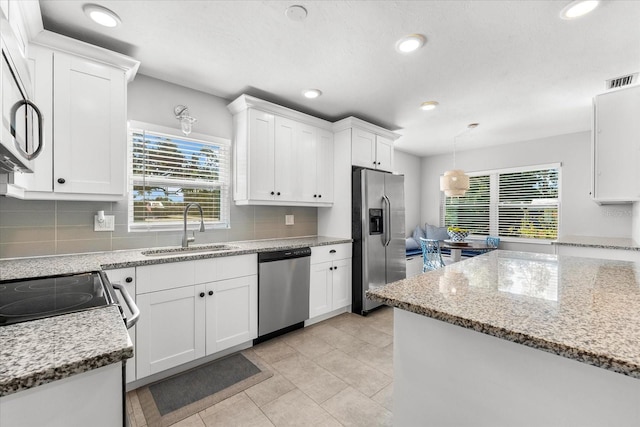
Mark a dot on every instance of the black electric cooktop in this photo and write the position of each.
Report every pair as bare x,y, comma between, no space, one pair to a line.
35,298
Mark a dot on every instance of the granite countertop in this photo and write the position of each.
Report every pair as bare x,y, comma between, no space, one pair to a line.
16,268
40,351
580,308
598,242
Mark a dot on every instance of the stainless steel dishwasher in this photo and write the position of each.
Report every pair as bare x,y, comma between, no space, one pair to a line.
283,291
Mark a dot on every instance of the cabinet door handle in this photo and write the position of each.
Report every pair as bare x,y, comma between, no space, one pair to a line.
335,268
378,162
210,293
319,195
272,193
330,268
278,193
332,251
129,279
61,181
374,163
315,195
201,294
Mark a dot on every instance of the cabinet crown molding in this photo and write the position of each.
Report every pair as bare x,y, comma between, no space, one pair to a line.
67,44
354,122
244,102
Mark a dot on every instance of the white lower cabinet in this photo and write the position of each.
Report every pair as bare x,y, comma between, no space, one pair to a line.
215,311
330,284
93,398
231,312
171,329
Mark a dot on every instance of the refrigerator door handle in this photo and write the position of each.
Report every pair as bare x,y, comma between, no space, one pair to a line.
387,215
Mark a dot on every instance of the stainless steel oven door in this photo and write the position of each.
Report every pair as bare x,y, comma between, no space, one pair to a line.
21,138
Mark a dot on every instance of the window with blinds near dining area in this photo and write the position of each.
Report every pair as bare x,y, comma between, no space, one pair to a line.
167,172
520,203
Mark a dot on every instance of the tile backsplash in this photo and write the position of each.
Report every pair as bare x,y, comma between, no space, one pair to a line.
33,228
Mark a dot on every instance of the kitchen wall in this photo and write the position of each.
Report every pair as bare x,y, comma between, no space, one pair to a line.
409,166
32,228
579,215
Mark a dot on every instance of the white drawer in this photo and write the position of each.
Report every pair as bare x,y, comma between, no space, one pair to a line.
330,252
152,278
228,267
414,265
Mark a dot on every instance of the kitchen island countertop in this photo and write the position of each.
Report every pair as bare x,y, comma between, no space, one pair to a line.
598,242
40,351
583,309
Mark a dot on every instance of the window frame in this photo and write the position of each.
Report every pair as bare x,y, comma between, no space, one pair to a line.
494,204
225,185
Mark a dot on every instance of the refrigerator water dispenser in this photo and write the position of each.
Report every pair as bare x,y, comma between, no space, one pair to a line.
375,221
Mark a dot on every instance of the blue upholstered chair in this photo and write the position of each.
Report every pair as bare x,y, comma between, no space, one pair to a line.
493,242
431,256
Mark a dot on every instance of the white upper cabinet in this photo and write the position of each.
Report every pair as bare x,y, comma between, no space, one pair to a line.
90,134
384,153
83,100
324,166
371,146
616,146
261,156
282,157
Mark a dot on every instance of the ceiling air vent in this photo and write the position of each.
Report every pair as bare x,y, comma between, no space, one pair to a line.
622,81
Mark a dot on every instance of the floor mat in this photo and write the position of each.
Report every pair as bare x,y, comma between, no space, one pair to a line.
180,396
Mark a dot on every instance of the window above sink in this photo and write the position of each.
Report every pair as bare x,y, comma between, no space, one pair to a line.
167,171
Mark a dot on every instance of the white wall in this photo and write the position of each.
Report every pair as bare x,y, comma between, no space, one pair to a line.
152,101
579,215
409,166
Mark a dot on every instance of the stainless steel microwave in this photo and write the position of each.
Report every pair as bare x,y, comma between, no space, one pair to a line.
21,138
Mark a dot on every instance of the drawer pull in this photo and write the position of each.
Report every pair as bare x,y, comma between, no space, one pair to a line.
332,251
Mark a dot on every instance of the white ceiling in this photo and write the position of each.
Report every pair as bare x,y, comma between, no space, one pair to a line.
513,66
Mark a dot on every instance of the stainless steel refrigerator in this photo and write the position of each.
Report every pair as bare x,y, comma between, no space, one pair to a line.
377,232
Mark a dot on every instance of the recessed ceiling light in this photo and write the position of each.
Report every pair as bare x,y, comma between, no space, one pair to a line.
410,43
311,93
578,8
101,15
429,105
296,12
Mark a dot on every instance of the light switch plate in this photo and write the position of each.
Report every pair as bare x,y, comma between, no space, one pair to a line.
107,225
288,220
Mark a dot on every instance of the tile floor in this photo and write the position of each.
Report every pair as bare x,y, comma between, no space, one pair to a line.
338,372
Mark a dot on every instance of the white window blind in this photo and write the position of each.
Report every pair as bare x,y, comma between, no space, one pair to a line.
473,210
169,171
519,204
528,204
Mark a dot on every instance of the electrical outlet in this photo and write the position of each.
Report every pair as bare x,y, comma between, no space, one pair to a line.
288,220
107,225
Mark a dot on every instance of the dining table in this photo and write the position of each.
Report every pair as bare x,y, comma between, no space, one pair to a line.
456,248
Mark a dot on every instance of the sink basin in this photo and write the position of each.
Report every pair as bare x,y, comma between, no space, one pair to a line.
188,250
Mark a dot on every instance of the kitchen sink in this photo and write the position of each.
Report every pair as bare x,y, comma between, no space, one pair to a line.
188,250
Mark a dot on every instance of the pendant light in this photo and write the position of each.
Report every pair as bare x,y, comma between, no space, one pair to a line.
455,182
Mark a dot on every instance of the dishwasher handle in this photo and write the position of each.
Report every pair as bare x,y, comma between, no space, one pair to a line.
135,311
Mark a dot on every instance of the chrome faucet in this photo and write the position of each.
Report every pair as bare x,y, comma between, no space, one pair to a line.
185,239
